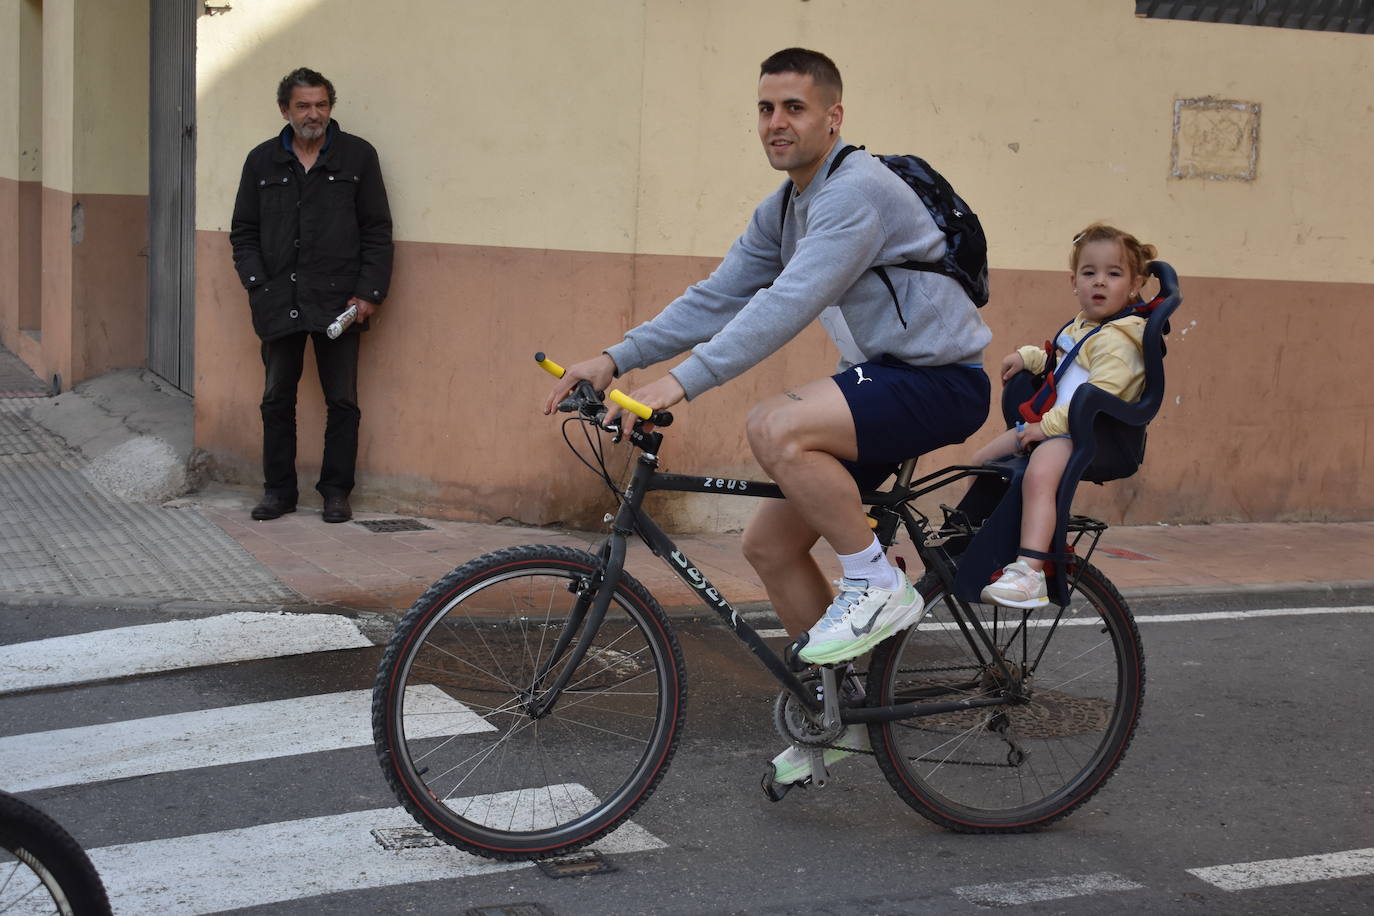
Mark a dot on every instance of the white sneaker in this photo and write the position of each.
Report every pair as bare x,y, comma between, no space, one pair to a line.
860,617
1019,586
794,764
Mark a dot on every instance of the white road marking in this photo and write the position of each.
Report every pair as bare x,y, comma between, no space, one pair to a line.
1039,890
298,859
1275,872
130,651
1083,620
1155,618
216,737
1252,615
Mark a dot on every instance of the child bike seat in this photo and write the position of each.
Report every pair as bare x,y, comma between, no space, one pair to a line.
1115,450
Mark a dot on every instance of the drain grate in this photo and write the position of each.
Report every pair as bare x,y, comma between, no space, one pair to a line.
389,525
576,865
395,838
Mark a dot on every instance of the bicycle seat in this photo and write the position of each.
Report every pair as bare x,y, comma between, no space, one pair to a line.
1115,450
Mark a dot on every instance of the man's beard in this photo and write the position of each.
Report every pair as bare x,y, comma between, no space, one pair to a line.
310,132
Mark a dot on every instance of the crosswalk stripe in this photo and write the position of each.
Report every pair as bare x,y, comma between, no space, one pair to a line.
216,737
1275,872
1039,890
130,651
292,860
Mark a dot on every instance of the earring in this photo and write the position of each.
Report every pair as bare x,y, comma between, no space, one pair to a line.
832,130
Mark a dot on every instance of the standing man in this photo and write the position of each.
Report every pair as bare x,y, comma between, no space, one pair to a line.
910,379
312,236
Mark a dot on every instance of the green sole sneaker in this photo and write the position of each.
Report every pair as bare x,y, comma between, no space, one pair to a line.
835,652
794,765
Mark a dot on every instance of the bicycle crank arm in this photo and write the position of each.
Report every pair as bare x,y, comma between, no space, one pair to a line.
819,774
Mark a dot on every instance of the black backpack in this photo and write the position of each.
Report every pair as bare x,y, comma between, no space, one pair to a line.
966,245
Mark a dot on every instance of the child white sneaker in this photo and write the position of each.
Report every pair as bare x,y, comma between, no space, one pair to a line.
1019,586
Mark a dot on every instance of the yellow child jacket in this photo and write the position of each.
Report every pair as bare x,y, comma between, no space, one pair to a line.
1114,359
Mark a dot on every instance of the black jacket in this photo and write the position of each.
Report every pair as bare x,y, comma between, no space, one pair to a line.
304,244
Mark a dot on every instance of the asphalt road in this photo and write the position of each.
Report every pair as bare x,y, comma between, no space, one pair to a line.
1254,746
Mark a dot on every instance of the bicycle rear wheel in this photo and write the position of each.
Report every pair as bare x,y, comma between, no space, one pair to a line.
1021,766
42,869
452,716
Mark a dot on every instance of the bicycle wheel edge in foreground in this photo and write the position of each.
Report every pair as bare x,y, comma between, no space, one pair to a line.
1020,767
48,852
456,742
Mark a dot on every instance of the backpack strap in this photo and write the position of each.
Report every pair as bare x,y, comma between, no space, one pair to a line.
787,190
879,270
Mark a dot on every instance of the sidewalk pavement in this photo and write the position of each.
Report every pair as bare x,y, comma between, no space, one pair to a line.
350,566
70,532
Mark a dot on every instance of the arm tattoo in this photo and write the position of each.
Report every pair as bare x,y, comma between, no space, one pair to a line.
793,395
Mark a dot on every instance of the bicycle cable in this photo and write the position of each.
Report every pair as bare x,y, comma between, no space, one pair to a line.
598,450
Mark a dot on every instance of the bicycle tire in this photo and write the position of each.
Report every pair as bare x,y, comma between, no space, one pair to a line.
1020,767
461,751
39,858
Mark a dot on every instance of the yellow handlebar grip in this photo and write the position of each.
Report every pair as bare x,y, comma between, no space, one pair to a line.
549,366
630,404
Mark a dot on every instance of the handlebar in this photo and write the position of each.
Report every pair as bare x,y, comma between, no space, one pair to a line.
589,401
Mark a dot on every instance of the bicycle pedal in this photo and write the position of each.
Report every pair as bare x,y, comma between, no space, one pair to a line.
775,790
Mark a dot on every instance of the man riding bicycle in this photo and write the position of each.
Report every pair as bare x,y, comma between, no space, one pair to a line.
910,379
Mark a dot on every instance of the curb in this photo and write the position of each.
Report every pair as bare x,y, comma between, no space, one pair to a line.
170,606
1279,594
1273,594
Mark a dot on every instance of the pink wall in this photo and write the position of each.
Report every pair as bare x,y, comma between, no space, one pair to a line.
450,393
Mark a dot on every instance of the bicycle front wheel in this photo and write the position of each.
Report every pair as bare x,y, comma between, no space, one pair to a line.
459,730
1073,688
42,869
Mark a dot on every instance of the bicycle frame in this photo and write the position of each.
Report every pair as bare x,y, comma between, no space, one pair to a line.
891,509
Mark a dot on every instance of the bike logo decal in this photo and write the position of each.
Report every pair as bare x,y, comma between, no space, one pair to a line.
698,581
859,371
721,483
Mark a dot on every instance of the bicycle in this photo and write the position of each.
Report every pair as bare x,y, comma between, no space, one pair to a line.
42,869
531,700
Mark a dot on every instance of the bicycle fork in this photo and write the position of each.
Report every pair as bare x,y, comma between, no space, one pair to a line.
584,622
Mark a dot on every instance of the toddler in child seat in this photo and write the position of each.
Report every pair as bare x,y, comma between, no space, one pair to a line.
1102,345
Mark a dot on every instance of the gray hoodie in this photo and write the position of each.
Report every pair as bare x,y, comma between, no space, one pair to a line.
776,279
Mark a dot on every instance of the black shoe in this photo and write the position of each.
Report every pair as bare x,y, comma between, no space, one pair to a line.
336,509
272,506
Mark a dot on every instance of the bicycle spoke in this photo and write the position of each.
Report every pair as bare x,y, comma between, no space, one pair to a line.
1071,696
494,642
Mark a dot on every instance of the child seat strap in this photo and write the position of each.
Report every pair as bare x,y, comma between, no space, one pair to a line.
1039,404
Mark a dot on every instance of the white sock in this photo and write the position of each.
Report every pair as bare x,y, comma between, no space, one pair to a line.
870,564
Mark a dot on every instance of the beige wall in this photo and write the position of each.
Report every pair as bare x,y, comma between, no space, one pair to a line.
110,115
76,171
559,171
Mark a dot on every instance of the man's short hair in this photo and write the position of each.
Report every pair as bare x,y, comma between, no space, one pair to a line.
306,79
814,64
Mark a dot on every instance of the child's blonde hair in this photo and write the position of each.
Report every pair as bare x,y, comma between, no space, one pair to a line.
1138,254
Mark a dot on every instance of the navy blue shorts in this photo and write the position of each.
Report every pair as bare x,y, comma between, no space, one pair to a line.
902,411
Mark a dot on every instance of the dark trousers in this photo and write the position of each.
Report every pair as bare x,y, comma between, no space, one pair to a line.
284,358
